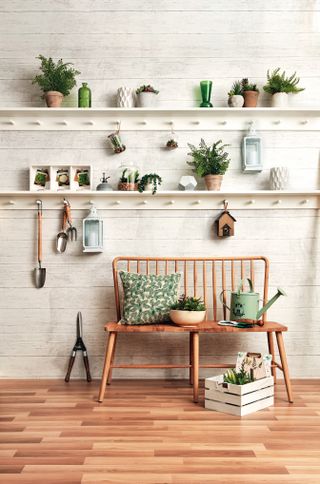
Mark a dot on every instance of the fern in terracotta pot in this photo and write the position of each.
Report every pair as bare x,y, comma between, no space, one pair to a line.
56,80
210,162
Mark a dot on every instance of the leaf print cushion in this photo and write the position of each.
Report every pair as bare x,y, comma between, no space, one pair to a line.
148,298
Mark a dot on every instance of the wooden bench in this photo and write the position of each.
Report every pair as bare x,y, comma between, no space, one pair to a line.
205,278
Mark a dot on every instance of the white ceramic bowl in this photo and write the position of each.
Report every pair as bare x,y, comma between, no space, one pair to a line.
187,318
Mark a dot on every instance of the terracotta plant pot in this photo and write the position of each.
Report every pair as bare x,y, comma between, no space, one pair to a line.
213,182
250,99
53,99
187,318
279,100
127,187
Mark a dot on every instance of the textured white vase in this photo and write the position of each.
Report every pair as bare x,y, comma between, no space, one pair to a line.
279,100
279,178
125,97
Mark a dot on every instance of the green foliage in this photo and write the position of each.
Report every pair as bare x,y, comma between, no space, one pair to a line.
146,88
237,377
56,76
236,89
278,82
152,178
209,160
185,303
132,177
248,86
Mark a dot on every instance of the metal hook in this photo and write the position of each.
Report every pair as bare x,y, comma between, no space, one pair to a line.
39,203
225,204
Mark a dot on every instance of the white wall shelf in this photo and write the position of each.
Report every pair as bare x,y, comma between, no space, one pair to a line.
172,200
145,119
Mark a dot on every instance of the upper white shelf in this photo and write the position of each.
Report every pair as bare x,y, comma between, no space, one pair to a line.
162,119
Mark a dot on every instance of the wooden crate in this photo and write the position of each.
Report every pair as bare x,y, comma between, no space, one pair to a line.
238,399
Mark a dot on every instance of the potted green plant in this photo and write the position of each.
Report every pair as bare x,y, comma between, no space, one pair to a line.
56,80
235,95
188,311
147,96
149,183
129,180
210,162
279,86
250,93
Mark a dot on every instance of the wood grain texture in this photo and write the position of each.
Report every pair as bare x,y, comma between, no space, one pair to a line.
150,432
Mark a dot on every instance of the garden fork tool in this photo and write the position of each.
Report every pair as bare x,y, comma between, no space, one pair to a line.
71,231
79,345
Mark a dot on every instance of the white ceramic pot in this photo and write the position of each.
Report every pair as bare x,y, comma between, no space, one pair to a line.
279,178
236,101
187,318
279,100
125,97
147,99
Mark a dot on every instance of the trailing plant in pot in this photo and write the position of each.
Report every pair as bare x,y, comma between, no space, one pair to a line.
250,93
279,86
188,311
147,96
56,80
149,183
129,180
210,162
235,95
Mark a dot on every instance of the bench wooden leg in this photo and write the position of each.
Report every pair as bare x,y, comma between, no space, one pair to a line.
191,358
271,351
284,364
109,379
107,363
195,365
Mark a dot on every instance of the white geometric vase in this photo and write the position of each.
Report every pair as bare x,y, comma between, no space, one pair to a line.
125,97
279,178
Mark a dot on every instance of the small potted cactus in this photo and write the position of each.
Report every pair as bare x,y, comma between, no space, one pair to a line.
250,93
188,311
147,96
236,99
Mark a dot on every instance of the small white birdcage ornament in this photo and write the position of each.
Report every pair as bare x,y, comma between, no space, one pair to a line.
252,152
93,232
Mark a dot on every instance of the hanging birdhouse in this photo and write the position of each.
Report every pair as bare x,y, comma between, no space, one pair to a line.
252,152
225,223
93,232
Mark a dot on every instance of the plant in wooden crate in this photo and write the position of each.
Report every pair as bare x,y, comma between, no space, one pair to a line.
149,183
279,86
210,162
147,96
128,180
250,93
188,311
235,95
56,80
240,377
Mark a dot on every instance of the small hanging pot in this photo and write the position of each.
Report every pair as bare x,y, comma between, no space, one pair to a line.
172,143
116,142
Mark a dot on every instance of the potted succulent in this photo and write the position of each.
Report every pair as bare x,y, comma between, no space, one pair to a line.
56,80
129,180
236,99
188,311
210,162
149,182
279,86
147,96
250,93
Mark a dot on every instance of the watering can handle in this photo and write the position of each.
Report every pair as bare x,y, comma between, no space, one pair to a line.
241,284
221,298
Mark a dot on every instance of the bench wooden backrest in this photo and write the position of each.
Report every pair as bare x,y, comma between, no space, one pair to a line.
204,277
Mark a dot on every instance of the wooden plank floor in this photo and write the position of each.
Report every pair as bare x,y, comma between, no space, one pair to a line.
151,432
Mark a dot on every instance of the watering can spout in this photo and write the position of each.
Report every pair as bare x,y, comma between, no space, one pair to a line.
280,292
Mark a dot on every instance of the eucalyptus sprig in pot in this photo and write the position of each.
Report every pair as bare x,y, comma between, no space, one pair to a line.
279,86
56,80
210,162
188,311
149,183
250,93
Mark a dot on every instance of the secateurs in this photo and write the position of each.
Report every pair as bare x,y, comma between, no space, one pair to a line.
79,345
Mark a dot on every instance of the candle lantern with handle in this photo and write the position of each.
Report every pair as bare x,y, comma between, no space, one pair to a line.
252,152
93,232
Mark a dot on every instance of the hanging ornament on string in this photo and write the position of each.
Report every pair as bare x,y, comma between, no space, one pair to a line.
225,222
172,143
115,141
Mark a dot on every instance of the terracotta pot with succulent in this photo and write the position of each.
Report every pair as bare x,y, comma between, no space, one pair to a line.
279,86
236,99
147,96
56,80
210,162
128,180
250,93
188,311
149,183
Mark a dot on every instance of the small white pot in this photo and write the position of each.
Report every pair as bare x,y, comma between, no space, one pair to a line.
279,100
236,101
187,318
125,97
279,178
147,99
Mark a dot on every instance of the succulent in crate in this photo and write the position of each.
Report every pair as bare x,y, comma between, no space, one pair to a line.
235,377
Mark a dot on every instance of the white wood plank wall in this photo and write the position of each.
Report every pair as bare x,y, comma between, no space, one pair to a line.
173,45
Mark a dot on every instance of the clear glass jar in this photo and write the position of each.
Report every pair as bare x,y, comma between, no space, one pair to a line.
128,177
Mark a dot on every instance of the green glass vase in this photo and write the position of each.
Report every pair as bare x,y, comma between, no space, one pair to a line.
206,88
84,96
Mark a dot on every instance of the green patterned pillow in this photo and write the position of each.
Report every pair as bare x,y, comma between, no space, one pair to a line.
148,298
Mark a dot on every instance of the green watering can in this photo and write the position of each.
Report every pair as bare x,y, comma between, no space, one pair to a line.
245,305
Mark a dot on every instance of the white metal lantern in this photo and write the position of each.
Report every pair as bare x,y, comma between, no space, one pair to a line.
93,232
251,152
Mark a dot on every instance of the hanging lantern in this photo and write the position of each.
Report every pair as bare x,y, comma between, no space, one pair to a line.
93,232
251,152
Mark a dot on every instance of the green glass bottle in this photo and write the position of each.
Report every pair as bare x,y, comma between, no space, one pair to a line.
206,87
84,96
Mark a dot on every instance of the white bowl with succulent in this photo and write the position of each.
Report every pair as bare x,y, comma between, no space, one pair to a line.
188,311
147,96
